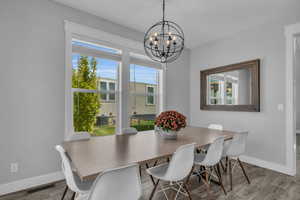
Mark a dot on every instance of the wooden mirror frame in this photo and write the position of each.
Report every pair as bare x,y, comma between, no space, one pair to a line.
254,67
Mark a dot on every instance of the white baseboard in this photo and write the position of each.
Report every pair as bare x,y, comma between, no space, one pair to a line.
30,182
268,165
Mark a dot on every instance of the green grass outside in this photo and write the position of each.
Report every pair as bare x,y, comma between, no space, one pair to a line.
104,130
144,125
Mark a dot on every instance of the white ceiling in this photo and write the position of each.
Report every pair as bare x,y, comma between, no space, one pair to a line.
202,20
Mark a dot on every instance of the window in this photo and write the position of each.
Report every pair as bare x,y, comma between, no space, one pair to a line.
144,84
150,95
94,86
100,96
108,90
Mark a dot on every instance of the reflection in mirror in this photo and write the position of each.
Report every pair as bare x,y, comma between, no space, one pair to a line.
229,88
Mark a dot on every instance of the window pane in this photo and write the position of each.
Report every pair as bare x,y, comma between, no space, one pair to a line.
143,81
103,86
107,73
216,89
112,97
112,86
150,90
84,72
95,46
150,99
103,96
229,89
86,107
95,74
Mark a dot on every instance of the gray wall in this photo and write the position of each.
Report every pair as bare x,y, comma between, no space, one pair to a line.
297,76
267,128
178,92
32,82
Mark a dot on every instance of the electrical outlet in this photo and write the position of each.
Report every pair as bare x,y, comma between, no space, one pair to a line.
14,167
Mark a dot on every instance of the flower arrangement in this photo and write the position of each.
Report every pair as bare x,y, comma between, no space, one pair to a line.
170,121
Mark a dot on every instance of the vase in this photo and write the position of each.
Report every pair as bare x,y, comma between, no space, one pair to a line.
169,135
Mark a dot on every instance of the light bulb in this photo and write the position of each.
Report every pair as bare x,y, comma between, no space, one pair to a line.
151,39
174,37
155,42
155,34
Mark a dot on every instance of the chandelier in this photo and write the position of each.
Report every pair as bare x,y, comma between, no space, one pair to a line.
164,41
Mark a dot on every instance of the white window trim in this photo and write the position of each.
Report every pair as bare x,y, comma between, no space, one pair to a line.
127,46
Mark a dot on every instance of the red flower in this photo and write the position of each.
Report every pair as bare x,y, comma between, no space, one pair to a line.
171,120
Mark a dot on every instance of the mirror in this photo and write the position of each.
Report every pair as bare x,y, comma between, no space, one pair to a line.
231,88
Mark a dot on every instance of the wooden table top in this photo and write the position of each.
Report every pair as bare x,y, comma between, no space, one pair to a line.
91,157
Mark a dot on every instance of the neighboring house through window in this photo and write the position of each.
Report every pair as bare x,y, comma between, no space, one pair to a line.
107,90
150,100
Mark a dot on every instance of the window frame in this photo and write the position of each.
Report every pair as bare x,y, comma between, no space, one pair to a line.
128,47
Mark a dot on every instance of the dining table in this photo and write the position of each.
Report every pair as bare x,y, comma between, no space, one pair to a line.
97,154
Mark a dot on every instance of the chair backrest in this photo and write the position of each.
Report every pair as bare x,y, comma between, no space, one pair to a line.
238,144
129,131
214,152
115,184
216,127
79,136
67,169
181,163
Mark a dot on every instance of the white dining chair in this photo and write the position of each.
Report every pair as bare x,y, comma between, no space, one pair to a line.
218,127
209,163
78,136
179,168
75,137
116,184
72,180
215,127
129,131
133,131
233,149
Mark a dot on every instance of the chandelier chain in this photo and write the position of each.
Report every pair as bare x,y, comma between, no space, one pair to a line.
164,8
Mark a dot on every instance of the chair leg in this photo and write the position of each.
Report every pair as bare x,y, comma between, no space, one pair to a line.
223,167
207,182
140,169
189,176
154,189
218,171
187,191
65,192
73,196
152,179
230,173
244,172
226,164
